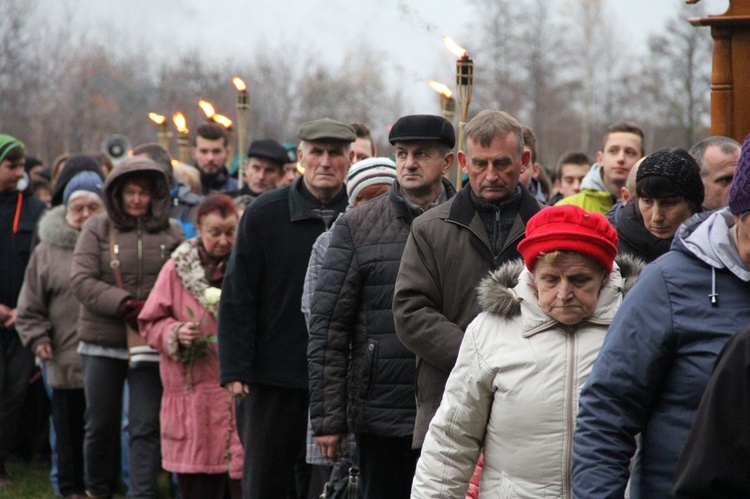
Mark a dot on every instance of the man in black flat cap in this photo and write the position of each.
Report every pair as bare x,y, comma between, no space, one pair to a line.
451,248
361,376
264,167
262,332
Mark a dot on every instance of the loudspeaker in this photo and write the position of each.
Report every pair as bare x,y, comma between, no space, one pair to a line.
116,147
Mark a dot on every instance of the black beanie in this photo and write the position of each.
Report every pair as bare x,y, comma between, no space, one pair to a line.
678,166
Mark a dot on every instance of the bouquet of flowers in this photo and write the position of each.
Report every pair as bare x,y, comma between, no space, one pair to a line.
197,349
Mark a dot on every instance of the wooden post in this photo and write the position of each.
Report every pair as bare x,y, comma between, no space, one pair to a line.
730,76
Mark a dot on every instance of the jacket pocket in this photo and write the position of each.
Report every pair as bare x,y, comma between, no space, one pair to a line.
370,366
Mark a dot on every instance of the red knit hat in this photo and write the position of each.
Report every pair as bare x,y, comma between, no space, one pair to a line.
569,228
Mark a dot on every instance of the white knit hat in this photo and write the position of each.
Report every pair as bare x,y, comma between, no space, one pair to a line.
370,171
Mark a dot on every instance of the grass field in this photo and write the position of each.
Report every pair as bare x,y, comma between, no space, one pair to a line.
31,481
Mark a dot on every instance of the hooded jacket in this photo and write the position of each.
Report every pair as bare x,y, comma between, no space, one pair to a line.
514,390
352,316
656,361
594,195
447,254
47,309
144,245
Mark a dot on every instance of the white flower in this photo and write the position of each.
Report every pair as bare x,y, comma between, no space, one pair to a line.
212,295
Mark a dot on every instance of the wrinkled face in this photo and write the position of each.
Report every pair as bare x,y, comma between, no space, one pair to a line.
10,173
571,177
262,174
326,165
621,151
494,170
718,182
217,233
210,155
568,290
663,216
136,196
420,166
362,149
82,207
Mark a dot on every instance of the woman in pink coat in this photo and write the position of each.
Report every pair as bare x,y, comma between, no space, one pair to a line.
198,431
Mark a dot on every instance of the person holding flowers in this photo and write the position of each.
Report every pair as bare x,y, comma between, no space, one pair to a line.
199,435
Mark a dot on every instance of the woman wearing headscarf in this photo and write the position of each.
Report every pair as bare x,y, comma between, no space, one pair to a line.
523,361
199,435
669,190
47,317
116,261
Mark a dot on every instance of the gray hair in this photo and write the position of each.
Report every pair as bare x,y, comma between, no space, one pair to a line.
726,145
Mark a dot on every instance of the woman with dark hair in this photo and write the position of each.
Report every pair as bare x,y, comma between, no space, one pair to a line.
669,191
199,438
115,264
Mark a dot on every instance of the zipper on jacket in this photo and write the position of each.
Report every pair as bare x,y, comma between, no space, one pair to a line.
570,411
139,277
162,251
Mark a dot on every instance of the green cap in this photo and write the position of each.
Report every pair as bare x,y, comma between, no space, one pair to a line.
7,143
326,129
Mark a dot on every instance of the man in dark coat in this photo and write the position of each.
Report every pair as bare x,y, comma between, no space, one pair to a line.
451,248
358,366
262,332
19,213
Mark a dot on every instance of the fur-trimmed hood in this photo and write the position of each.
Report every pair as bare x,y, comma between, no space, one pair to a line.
54,229
500,294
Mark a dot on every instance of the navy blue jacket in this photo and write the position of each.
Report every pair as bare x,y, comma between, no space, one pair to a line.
656,361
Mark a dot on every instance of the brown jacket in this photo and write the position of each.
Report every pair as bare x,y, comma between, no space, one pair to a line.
144,244
47,310
447,254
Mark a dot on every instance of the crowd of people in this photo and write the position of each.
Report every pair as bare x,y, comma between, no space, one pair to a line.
334,319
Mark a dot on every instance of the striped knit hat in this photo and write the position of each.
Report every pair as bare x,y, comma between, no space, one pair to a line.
370,171
7,143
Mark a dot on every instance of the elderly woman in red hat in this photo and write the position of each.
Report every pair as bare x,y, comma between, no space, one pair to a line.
523,361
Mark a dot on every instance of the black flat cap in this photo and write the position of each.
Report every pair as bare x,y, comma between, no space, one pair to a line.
423,127
268,149
326,129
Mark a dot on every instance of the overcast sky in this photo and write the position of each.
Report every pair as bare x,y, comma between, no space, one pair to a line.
407,32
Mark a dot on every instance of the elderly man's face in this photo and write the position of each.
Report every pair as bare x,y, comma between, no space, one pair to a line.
568,289
326,165
494,170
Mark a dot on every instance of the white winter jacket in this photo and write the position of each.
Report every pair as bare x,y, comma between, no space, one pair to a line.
514,390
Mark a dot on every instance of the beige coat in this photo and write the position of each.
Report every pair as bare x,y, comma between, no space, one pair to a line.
514,390
47,309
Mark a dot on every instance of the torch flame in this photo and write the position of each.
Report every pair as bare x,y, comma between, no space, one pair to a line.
453,47
239,84
180,122
207,108
441,89
157,118
222,120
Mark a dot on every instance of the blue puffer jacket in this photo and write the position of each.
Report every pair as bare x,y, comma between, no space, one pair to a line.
656,361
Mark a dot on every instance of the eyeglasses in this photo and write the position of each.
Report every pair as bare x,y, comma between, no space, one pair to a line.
80,208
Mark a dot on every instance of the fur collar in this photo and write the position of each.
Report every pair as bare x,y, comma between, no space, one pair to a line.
189,269
55,230
497,295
